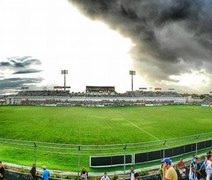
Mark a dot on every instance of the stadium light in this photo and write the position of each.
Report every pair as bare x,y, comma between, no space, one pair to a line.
132,73
64,72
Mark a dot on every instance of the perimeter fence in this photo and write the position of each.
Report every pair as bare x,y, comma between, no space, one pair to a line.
73,157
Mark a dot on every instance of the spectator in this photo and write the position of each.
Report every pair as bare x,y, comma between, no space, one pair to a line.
169,172
33,172
160,170
132,172
193,169
105,177
180,164
209,167
84,174
136,176
1,171
181,168
45,173
200,168
197,169
209,152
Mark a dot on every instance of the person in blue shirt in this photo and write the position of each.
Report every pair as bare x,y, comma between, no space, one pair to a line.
45,173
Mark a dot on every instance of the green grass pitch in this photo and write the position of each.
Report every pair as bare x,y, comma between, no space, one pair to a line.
92,126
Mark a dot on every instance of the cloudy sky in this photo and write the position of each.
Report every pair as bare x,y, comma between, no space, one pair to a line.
167,42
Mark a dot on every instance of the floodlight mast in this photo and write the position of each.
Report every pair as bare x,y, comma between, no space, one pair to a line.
132,73
64,72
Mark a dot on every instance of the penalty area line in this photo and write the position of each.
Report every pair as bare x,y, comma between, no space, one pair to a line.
146,132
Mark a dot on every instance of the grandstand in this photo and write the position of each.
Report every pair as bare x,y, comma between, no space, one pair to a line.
152,94
103,96
100,90
2,101
99,96
207,101
44,93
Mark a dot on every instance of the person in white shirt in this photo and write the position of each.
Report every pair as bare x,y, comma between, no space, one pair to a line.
105,177
132,172
209,167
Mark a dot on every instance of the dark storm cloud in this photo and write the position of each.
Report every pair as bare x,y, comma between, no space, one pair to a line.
171,37
2,64
20,65
19,68
18,82
17,62
27,71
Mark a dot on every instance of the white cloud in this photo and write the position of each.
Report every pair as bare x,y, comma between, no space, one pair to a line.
57,34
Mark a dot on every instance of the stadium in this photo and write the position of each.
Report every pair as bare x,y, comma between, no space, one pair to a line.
139,101
101,129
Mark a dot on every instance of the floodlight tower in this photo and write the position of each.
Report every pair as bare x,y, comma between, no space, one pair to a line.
64,72
132,73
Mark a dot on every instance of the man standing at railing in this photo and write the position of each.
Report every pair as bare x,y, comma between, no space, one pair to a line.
45,173
33,172
105,177
132,172
169,172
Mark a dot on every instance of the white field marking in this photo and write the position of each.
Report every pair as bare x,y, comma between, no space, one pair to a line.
143,130
146,132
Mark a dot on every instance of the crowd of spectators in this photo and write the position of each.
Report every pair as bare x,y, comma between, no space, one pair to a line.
95,98
95,103
99,94
201,167
44,93
129,98
151,94
128,94
198,168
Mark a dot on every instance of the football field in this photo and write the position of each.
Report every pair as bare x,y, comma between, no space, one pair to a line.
59,132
